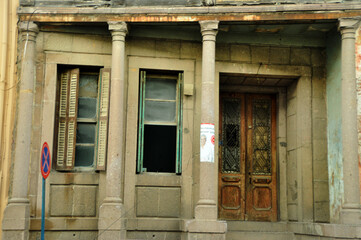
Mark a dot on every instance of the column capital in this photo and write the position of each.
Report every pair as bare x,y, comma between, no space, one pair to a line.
209,27
347,25
29,31
28,27
118,27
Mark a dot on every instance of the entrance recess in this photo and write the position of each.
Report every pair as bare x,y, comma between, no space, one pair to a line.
247,157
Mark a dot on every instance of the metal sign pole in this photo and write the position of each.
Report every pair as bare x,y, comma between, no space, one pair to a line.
45,165
43,211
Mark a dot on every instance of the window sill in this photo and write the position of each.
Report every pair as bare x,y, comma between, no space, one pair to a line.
158,179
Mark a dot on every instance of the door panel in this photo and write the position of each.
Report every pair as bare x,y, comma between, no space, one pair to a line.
232,149
247,177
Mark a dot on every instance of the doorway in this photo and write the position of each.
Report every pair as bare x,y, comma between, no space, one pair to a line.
247,184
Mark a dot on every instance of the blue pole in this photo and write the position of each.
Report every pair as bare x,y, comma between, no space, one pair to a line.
43,212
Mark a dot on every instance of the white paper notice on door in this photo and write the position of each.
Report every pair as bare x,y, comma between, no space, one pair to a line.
207,142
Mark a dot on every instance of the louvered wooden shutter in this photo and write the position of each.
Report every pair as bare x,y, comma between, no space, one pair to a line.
68,109
103,112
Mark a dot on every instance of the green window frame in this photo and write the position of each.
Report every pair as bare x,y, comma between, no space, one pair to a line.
160,122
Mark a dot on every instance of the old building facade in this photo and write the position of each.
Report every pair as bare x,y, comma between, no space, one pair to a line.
188,120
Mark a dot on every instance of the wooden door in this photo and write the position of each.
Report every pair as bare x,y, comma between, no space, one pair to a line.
247,158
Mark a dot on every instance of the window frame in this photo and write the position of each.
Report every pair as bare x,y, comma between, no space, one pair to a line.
178,119
100,138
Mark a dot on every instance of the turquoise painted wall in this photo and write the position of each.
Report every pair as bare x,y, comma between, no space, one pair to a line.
334,136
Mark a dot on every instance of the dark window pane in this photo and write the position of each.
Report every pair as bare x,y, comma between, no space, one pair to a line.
88,86
87,107
165,89
84,156
85,133
160,111
159,148
231,120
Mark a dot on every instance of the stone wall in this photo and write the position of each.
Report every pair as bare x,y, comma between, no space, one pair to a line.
304,168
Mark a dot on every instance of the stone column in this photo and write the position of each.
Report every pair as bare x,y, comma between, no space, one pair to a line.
205,224
207,205
111,222
350,212
16,220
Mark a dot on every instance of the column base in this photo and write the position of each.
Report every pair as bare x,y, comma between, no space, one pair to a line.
204,230
111,223
16,220
207,212
351,215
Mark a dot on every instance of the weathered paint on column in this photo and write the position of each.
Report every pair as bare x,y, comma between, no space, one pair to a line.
206,206
351,205
358,82
17,213
111,224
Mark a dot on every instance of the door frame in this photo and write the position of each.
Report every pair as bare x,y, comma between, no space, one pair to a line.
303,74
240,180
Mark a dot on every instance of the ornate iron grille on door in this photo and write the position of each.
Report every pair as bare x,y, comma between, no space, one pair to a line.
261,136
231,136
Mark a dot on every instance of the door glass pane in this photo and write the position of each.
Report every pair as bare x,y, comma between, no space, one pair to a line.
87,107
231,138
160,111
85,133
261,114
160,88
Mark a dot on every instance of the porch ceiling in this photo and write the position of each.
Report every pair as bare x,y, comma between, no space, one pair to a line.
253,80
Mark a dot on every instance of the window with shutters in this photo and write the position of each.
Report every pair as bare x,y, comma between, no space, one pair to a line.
160,122
82,118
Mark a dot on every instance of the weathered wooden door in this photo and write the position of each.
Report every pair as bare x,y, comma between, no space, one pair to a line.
247,157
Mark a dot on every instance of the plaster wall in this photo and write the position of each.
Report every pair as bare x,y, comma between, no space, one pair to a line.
8,93
305,124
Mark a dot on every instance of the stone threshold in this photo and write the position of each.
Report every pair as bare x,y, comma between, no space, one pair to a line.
312,229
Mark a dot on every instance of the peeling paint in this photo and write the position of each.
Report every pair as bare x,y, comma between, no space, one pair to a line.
358,82
59,16
334,131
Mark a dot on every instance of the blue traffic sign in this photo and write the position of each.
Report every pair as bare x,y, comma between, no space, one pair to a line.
45,160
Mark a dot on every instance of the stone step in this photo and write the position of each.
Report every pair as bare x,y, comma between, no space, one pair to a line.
238,235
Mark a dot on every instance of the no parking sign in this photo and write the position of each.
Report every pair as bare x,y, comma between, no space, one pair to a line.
45,160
